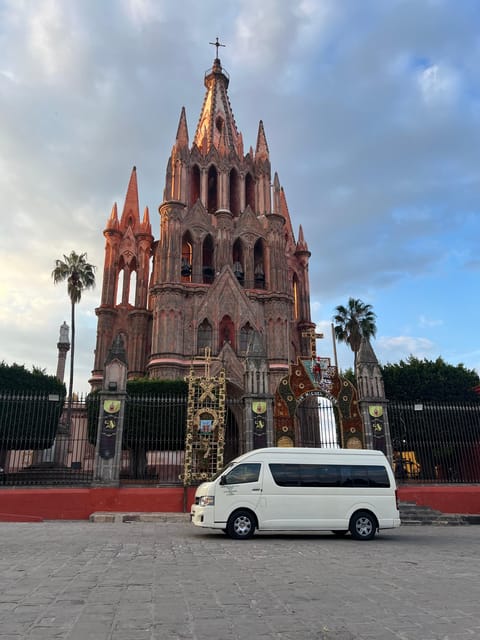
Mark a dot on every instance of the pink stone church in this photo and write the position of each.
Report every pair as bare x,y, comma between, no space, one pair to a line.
223,270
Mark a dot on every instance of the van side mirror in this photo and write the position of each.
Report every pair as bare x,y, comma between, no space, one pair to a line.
222,480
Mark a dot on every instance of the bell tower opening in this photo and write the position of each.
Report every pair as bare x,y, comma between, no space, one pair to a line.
186,268
208,268
259,265
250,192
234,192
238,266
194,184
212,196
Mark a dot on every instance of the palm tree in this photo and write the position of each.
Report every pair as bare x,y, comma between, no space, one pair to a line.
80,275
353,322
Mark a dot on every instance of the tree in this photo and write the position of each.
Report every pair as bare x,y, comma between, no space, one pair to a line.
80,275
353,322
429,380
30,407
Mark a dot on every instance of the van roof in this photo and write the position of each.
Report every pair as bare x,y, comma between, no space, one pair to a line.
288,451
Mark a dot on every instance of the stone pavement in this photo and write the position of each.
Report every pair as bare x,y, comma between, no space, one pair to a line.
168,580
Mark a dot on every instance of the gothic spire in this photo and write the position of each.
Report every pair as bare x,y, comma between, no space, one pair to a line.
112,223
366,354
182,131
146,227
131,208
216,125
301,244
261,152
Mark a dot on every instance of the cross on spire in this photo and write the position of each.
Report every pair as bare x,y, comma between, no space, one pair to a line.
217,44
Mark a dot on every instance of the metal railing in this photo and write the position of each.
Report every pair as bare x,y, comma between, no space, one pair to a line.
37,447
435,442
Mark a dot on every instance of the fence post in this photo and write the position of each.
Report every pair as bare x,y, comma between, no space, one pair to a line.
372,401
108,451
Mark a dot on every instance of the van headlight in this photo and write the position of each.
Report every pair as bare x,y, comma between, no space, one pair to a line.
207,501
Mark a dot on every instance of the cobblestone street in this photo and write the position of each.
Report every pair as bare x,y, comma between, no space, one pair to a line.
79,580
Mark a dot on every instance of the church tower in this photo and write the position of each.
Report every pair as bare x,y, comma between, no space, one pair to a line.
226,274
124,303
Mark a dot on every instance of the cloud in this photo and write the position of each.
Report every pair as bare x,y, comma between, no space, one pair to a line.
438,85
426,323
392,349
371,112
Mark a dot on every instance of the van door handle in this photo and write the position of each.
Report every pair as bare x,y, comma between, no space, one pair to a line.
257,489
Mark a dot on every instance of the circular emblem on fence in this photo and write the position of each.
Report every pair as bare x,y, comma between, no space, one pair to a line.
284,441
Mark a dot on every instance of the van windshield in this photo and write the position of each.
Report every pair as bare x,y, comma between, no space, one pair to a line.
222,470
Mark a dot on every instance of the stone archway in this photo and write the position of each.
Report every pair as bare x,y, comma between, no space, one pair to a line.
316,377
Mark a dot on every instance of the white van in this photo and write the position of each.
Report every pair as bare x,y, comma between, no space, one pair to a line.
285,489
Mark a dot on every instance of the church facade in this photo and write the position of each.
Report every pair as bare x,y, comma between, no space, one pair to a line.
224,279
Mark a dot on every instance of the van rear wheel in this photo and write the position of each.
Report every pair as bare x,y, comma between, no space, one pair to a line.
241,525
363,525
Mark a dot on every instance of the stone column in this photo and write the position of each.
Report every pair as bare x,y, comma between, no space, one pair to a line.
372,401
108,451
58,453
63,346
258,401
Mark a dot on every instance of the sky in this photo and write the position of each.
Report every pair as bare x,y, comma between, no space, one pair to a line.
371,111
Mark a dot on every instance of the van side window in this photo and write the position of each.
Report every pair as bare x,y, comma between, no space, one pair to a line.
305,475
286,475
329,475
378,476
364,476
248,472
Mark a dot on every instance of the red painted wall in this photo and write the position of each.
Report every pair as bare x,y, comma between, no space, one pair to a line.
24,505
444,498
33,505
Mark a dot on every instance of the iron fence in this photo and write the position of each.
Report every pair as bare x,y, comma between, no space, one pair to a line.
37,447
317,423
435,442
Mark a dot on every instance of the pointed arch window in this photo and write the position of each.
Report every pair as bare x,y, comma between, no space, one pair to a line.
212,182
187,257
194,184
234,192
226,332
238,263
296,301
126,286
132,289
204,336
246,336
120,285
259,264
250,191
207,259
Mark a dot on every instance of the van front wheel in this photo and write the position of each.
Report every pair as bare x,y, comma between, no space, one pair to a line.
363,525
241,525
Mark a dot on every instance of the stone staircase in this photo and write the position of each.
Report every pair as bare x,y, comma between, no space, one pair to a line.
414,514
